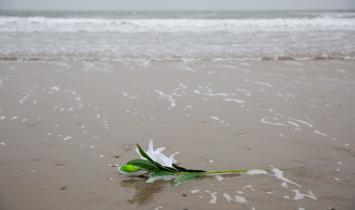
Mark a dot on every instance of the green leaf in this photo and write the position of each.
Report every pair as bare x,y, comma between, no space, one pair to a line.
168,168
164,173
144,164
141,151
187,177
181,169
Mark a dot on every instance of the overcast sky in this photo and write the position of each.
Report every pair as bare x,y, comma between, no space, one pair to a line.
177,4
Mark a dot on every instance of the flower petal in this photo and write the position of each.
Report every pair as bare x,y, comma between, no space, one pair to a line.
163,160
150,147
171,157
160,149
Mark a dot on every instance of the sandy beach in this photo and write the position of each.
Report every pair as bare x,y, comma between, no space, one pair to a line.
65,124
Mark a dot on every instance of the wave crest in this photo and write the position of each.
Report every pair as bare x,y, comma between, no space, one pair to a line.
46,24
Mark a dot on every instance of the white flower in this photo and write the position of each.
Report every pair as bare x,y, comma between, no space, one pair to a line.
158,156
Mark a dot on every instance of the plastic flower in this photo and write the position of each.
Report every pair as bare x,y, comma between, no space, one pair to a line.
158,156
157,166
155,155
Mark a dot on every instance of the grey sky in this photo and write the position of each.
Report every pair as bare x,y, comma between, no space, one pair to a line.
177,4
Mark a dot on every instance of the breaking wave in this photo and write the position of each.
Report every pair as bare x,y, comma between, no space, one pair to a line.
178,36
46,24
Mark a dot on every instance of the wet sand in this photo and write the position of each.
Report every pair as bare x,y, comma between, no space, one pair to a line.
63,124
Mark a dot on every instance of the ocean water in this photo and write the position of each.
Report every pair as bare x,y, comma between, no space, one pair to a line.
176,35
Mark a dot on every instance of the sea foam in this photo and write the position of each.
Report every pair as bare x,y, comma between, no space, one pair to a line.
47,24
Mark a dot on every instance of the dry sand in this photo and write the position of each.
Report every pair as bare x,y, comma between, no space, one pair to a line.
62,123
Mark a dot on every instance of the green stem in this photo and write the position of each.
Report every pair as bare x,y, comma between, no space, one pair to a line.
239,171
